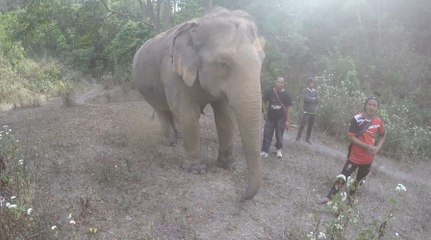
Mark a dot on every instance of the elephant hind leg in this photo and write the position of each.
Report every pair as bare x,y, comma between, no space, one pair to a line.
168,126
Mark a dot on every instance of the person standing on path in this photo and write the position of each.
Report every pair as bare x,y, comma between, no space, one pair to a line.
364,128
311,101
277,117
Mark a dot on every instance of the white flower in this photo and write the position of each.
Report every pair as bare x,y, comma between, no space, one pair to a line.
311,236
70,216
397,234
321,235
72,222
21,162
29,211
5,126
335,207
8,205
343,196
400,188
13,197
53,227
341,177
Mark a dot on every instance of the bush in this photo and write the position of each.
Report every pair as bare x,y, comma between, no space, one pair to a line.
338,103
123,47
27,82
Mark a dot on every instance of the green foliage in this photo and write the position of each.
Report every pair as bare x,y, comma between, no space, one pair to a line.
123,47
24,84
190,9
406,139
338,103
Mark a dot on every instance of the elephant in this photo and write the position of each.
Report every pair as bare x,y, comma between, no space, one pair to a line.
215,60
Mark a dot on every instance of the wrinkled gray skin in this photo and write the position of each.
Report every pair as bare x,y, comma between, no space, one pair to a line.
213,60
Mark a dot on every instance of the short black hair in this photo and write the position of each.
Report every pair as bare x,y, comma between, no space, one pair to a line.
371,98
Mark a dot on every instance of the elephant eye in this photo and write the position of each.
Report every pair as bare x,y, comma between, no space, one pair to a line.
223,68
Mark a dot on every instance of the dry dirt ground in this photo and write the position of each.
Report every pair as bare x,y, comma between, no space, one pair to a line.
102,161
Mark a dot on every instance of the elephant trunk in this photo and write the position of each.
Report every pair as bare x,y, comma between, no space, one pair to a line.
248,111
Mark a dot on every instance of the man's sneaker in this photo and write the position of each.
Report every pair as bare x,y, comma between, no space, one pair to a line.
279,155
264,154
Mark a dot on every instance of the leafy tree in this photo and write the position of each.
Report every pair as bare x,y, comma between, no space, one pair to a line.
123,47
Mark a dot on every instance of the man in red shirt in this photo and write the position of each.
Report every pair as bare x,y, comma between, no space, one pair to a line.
364,127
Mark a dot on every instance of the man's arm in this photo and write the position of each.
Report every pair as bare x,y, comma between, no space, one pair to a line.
286,115
287,104
370,148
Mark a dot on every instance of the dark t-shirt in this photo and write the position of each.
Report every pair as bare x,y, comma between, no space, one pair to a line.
275,109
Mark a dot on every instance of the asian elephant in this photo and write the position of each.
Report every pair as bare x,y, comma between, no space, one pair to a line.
214,60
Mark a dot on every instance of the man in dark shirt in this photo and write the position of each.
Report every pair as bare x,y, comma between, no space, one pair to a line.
277,119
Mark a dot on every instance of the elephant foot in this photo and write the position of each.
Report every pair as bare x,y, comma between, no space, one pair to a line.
195,167
225,160
170,141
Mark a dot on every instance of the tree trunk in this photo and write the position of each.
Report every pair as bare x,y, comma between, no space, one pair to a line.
166,14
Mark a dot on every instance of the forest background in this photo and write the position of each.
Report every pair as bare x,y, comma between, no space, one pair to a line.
354,48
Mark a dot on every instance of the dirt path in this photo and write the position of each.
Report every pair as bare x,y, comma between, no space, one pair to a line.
102,160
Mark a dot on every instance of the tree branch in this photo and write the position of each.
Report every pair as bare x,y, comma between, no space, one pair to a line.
125,15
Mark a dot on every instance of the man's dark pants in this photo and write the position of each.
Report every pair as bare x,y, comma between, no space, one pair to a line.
268,131
307,117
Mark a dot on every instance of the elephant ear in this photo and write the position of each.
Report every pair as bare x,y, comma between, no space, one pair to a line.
183,53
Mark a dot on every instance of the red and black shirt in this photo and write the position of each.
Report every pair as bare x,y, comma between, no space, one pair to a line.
375,127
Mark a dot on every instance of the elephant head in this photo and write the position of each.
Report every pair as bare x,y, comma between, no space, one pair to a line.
222,54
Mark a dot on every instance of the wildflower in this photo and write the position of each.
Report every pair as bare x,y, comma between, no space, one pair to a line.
321,235
341,177
13,197
8,205
53,227
400,188
92,230
5,126
311,236
397,234
70,216
29,211
72,222
21,162
343,196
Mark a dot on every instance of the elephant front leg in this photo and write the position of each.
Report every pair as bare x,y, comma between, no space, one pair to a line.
225,132
189,127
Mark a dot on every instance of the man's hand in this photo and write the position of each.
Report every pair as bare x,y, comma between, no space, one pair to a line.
286,125
373,149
